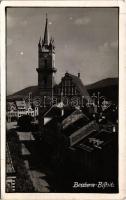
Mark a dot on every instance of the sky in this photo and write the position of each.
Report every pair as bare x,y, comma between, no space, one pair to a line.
86,41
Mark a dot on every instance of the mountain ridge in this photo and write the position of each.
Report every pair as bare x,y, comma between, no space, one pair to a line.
104,83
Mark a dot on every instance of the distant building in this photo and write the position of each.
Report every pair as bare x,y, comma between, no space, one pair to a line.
21,108
17,109
12,113
72,87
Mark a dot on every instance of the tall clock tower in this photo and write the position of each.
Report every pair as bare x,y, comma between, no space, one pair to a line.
46,69
46,64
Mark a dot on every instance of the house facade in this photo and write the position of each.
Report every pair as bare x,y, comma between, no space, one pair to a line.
17,109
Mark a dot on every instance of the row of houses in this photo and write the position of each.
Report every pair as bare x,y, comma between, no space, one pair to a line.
10,172
17,109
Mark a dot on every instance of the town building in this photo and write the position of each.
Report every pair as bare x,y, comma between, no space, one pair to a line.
70,86
18,108
12,113
21,108
10,172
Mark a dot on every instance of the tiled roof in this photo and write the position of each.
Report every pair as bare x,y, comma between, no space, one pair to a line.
10,106
9,164
75,116
23,136
95,141
20,104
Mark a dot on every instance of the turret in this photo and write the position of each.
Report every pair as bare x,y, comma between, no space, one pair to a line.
46,62
46,34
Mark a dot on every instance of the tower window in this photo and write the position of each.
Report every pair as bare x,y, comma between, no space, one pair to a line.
45,82
45,63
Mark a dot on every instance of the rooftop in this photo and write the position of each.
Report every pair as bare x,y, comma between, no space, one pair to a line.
9,164
20,103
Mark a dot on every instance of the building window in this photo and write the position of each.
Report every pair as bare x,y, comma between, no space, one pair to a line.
59,91
45,81
64,83
73,90
67,82
67,90
64,90
45,63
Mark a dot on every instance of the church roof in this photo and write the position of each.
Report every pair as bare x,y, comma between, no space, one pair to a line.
46,35
80,86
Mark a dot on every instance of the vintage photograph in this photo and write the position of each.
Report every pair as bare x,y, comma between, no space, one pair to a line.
62,81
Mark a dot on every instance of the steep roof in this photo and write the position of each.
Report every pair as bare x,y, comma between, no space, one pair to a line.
10,106
46,35
97,140
9,164
80,86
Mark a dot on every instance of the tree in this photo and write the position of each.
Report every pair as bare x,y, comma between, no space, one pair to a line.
24,122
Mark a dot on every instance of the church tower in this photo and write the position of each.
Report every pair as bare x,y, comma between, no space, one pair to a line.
46,69
46,64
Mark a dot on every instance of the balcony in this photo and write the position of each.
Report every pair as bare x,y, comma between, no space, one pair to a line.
47,69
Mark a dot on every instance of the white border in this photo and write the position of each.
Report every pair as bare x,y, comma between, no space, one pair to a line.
122,95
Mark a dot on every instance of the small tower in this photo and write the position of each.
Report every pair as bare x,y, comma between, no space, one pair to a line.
46,69
46,64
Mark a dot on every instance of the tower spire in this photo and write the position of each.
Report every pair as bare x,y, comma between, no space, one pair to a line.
46,34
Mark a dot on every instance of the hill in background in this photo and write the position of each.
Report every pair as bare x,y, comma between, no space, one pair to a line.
107,87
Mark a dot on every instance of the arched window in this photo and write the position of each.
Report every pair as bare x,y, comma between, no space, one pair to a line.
45,81
45,63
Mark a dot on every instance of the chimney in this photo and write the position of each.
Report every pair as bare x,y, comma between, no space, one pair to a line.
78,75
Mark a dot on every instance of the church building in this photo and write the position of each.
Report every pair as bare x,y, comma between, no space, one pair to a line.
46,63
70,86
